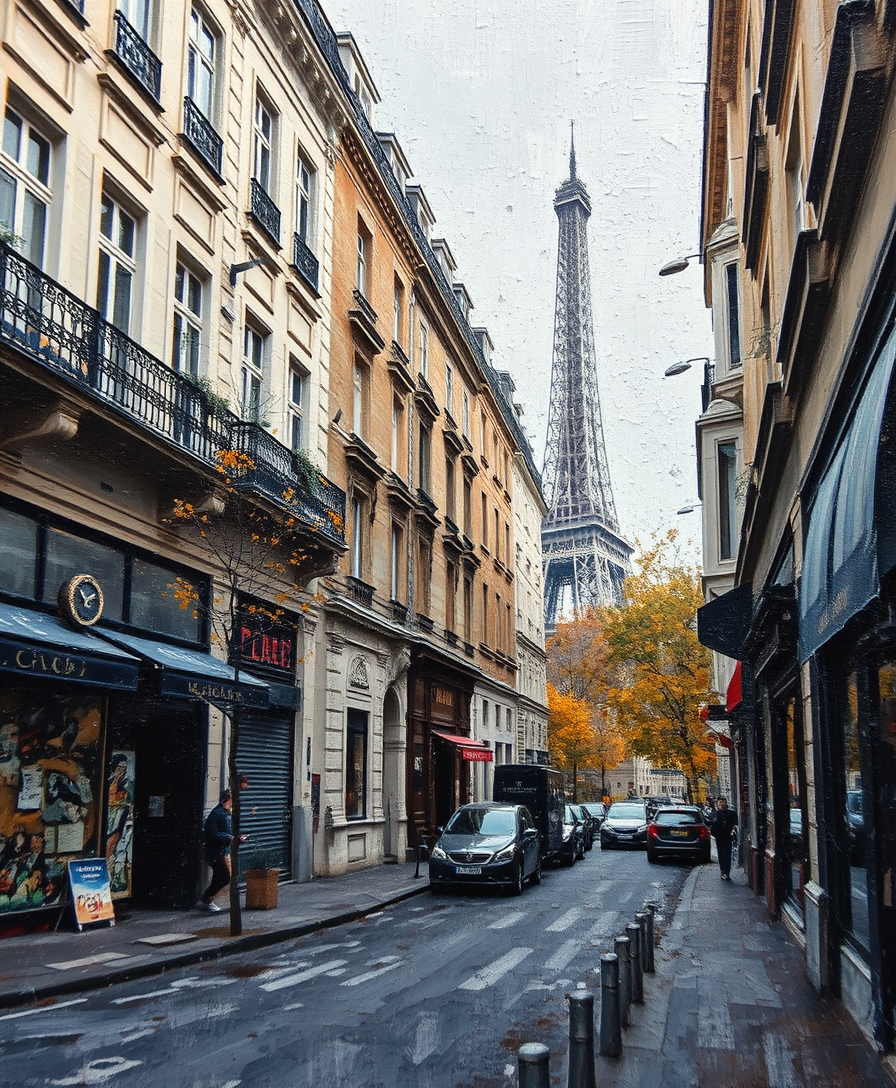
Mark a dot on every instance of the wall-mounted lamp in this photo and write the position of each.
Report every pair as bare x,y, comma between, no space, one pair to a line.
689,509
679,368
243,266
678,265
338,416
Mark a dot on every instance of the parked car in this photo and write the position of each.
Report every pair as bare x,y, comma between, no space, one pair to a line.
678,831
588,826
625,825
573,837
487,844
855,823
653,803
598,811
540,789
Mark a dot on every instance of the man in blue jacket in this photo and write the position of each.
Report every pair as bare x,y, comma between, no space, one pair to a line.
218,839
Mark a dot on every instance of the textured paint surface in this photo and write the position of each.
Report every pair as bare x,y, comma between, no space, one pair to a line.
480,95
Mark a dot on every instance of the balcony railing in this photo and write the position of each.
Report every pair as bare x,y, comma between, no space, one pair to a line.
364,306
60,332
360,591
265,212
137,58
305,262
201,134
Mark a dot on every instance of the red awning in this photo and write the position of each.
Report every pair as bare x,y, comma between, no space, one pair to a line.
734,695
475,751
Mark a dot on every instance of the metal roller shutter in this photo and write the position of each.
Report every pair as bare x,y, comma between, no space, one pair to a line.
266,757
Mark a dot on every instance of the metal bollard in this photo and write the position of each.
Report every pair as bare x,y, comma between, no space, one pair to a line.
581,1040
649,909
610,1020
422,846
532,1060
633,930
625,977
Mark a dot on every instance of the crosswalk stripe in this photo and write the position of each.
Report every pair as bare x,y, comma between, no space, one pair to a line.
302,976
490,975
508,920
563,955
367,976
565,921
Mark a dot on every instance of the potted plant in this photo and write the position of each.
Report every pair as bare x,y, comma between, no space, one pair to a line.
262,876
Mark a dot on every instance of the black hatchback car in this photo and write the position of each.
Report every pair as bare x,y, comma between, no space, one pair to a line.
678,831
487,844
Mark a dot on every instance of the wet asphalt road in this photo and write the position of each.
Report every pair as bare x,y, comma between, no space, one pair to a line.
437,991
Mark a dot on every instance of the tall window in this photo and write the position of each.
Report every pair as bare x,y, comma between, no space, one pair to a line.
449,388
139,14
357,540
497,539
360,397
450,490
201,63
727,462
305,180
733,302
450,579
424,349
397,310
468,608
793,175
362,265
465,415
252,372
485,611
117,266
398,435
484,436
423,457
25,185
187,338
264,145
395,588
484,501
298,406
356,764
468,508
422,583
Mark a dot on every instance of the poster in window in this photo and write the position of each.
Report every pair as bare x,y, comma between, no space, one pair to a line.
120,822
91,891
49,784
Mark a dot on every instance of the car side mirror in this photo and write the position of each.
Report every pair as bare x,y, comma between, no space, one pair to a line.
439,831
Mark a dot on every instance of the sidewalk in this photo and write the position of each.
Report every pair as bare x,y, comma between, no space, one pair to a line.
730,1005
149,941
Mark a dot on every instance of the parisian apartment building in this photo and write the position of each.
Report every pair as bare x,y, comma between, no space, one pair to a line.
259,463
796,465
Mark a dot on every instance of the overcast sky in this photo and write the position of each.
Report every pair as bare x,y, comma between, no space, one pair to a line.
480,94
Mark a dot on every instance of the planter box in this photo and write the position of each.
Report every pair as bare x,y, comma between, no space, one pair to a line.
261,889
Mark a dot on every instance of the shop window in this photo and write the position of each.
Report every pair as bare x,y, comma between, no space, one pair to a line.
69,555
25,185
155,603
795,833
18,554
853,831
356,765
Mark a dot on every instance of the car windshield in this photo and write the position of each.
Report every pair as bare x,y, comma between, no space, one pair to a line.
482,821
626,812
570,815
669,818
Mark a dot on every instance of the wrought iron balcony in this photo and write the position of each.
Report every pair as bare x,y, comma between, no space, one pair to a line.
305,262
200,133
66,336
265,212
364,306
360,591
138,59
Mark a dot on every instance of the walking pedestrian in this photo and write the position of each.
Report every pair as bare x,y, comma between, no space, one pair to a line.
724,828
218,840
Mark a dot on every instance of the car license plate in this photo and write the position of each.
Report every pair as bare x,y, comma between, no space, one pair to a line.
625,834
469,870
679,834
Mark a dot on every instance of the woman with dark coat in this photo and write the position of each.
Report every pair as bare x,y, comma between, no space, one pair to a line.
724,828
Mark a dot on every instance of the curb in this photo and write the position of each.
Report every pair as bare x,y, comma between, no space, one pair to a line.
185,959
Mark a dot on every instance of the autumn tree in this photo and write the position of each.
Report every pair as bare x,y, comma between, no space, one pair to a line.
579,666
571,735
652,638
263,555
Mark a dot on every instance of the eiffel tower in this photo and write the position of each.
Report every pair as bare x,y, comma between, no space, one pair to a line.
585,557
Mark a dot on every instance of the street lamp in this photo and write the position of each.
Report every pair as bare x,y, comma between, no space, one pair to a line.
679,368
678,265
689,508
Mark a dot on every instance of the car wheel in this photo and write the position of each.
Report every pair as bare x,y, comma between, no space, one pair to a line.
536,872
651,855
582,851
517,887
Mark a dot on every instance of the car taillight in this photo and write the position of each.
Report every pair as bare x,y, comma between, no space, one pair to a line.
704,832
652,831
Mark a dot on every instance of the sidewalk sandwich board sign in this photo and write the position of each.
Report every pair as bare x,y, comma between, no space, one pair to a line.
91,892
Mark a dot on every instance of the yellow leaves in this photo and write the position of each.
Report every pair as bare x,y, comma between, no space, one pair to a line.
306,607
233,461
571,735
337,520
289,494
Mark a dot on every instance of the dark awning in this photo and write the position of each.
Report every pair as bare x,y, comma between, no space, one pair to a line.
36,646
840,572
722,624
193,674
475,751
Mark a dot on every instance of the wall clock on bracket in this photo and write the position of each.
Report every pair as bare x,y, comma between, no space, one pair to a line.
81,600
